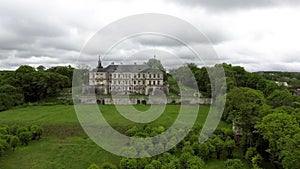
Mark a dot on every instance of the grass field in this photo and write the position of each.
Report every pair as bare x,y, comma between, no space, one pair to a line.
65,145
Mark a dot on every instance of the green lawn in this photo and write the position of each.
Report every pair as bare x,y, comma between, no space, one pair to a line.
65,145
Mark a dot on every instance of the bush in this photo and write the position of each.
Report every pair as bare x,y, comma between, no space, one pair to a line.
36,131
93,166
234,164
109,166
25,137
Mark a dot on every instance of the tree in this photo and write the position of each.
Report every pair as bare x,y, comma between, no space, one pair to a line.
142,162
229,146
280,98
36,131
183,76
40,68
155,64
108,165
25,137
156,164
256,161
195,163
201,150
184,158
39,85
15,94
93,166
277,128
291,154
14,141
6,101
24,69
3,145
63,70
219,144
127,163
244,108
149,166
234,164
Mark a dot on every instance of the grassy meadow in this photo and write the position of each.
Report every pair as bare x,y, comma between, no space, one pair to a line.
65,145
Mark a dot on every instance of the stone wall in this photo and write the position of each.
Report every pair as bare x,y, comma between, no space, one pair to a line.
141,100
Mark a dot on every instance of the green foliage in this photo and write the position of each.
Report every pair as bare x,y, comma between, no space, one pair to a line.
25,137
36,131
24,69
251,152
12,136
64,149
280,98
6,101
93,166
201,150
156,64
219,145
195,163
40,68
278,129
28,85
66,71
291,154
149,166
108,165
14,142
184,158
234,164
156,164
127,163
229,147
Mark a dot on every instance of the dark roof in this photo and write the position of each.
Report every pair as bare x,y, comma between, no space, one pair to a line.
123,68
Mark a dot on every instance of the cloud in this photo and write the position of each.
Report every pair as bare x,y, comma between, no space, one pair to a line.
227,5
257,34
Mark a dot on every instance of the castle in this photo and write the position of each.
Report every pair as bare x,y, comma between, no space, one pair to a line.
126,79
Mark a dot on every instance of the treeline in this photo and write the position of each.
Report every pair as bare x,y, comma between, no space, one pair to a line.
187,154
292,78
236,76
28,84
11,137
269,126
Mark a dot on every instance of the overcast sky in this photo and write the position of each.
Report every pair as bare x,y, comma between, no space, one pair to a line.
256,34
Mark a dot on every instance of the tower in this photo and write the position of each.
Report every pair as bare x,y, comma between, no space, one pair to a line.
99,66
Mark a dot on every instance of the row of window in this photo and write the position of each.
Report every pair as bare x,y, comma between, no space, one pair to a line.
123,88
130,75
135,82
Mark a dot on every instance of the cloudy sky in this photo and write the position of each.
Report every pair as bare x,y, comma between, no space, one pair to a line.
256,34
